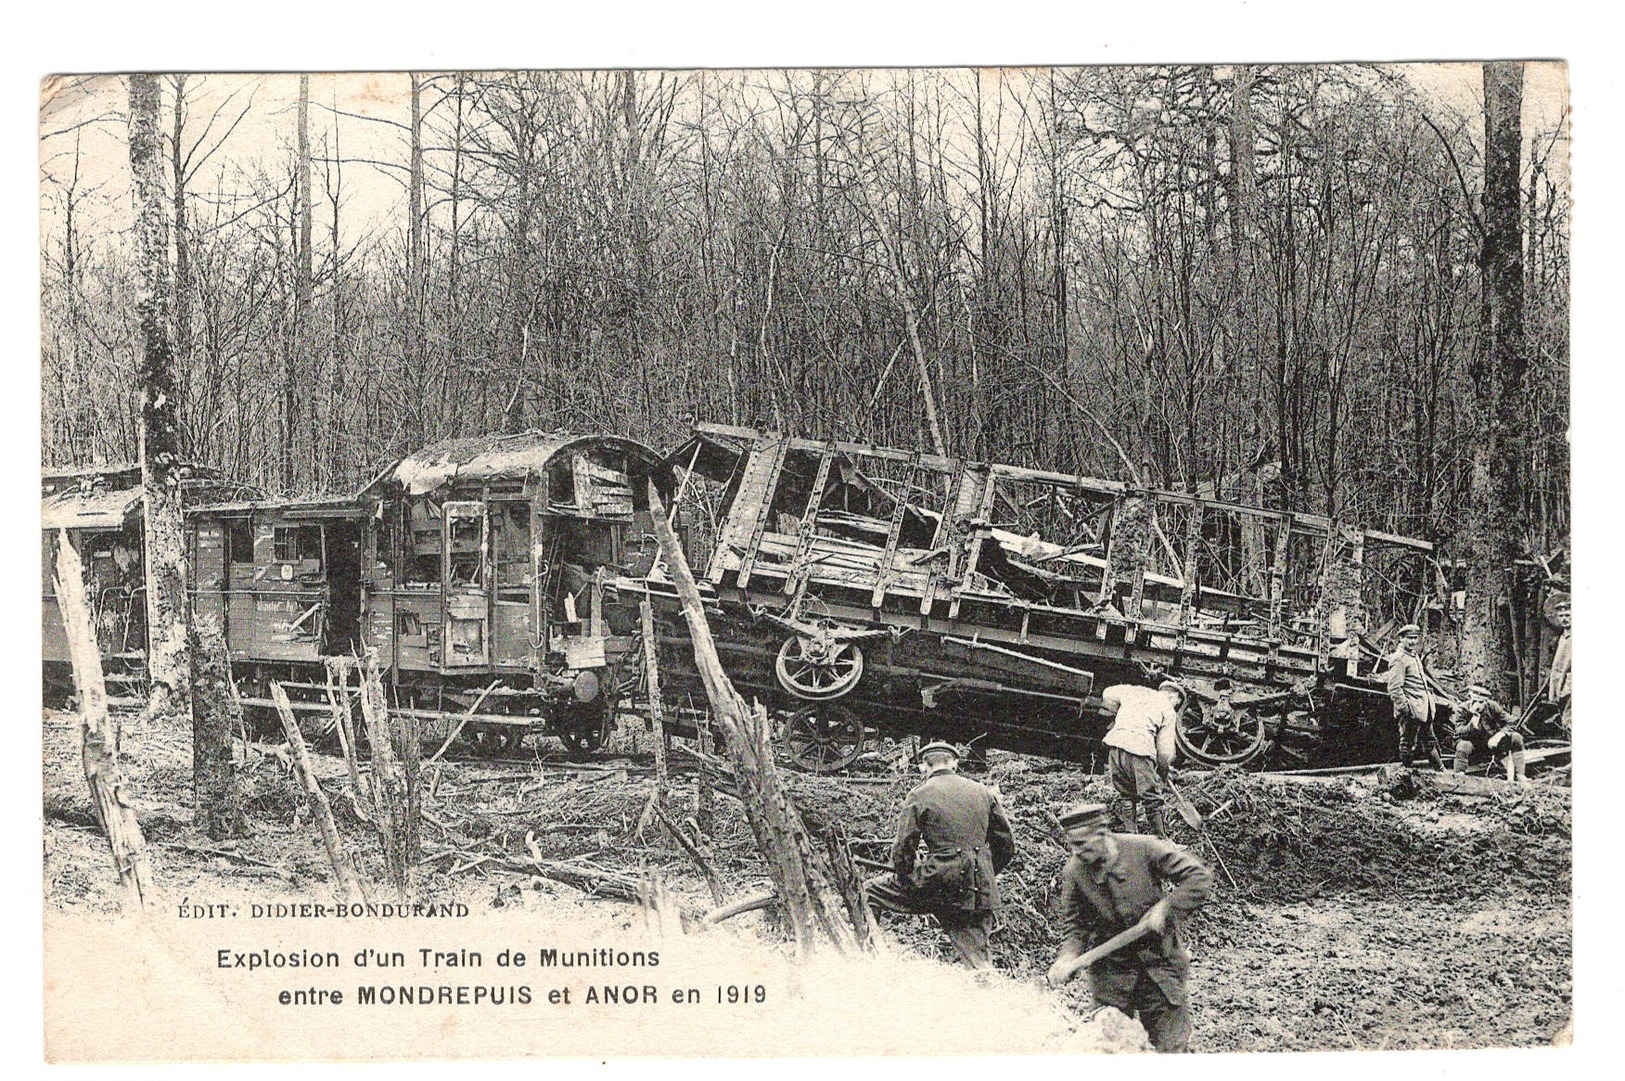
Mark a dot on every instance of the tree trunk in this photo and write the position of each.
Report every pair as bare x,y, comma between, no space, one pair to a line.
167,658
396,809
216,714
814,909
1495,495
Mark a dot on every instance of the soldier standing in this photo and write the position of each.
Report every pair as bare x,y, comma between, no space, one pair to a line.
966,840
1560,678
1111,883
1411,698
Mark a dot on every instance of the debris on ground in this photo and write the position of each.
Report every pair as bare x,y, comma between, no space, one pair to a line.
1344,917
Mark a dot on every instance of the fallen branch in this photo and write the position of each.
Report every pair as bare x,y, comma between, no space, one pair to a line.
741,906
350,885
707,868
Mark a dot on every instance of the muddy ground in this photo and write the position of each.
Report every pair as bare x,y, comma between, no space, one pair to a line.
1350,914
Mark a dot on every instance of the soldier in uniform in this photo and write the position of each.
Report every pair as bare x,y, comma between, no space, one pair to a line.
1411,698
1112,881
1483,727
966,840
1560,677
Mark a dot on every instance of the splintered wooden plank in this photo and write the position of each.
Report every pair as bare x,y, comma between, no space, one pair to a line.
980,532
809,522
899,512
756,496
1187,592
1277,600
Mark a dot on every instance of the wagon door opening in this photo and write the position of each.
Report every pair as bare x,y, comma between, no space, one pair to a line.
466,543
342,631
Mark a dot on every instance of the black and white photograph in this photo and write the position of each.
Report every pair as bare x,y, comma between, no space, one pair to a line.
738,561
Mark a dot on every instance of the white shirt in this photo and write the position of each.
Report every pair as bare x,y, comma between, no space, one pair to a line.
1145,721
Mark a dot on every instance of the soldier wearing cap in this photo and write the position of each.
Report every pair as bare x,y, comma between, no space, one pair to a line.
952,838
1483,727
1560,676
1111,883
1141,749
1411,698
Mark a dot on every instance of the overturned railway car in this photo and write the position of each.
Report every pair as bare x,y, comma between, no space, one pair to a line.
863,591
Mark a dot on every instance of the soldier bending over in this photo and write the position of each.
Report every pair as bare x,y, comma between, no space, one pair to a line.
1111,882
966,840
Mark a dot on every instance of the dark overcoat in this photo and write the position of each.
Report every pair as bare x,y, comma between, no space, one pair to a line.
966,838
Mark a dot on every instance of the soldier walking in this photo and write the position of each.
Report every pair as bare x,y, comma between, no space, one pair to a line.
1111,883
952,839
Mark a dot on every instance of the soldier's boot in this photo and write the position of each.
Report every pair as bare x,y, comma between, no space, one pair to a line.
1124,814
1432,748
1515,767
1154,819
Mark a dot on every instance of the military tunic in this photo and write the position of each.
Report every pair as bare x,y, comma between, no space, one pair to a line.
1147,979
967,841
1413,706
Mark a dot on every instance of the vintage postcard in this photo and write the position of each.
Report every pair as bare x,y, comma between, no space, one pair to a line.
797,562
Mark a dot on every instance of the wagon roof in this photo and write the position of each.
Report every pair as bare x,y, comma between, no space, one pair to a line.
98,509
495,457
342,506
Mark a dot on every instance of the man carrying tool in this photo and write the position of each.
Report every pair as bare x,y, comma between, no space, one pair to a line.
966,839
1411,698
1112,889
1483,727
1141,749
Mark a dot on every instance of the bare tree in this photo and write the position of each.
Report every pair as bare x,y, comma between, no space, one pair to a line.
1495,500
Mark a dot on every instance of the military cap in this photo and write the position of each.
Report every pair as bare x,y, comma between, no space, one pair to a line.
938,745
1174,685
1410,630
1081,815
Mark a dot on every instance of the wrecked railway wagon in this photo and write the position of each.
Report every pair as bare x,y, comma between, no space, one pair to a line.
478,571
867,591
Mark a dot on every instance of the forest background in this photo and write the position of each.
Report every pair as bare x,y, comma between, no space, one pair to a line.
1254,280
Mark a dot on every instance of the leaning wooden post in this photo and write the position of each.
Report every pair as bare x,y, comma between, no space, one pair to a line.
99,736
350,887
814,910
657,716
395,796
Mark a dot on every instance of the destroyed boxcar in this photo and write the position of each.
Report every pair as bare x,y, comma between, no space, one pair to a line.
866,590
485,572
98,508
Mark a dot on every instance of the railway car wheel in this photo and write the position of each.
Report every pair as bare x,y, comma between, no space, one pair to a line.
824,738
818,668
1219,735
490,740
583,728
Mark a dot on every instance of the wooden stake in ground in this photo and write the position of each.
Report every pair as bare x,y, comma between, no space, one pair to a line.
216,713
98,733
397,812
814,910
657,715
350,887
